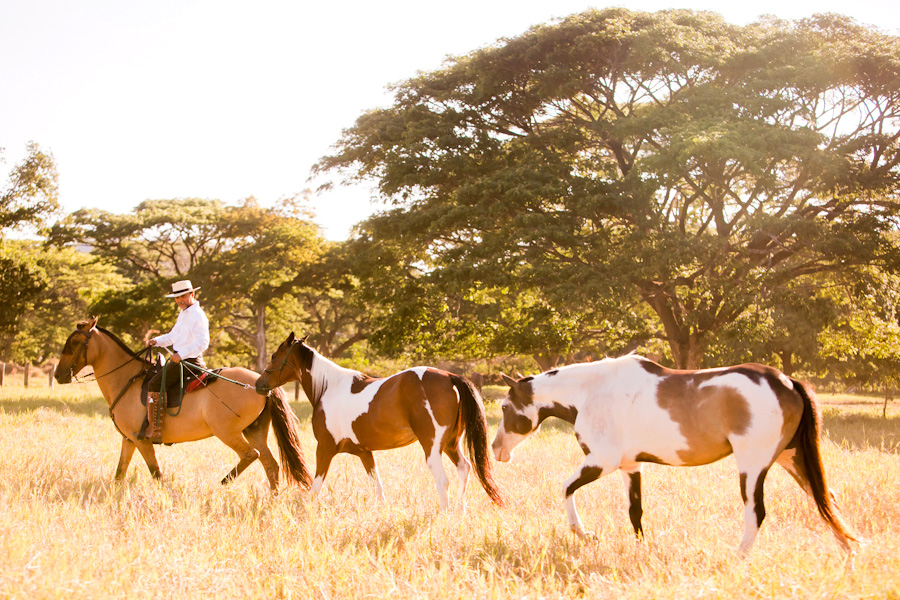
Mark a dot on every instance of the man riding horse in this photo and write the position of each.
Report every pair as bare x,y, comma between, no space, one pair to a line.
189,338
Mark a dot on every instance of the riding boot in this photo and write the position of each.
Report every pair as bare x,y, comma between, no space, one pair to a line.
150,418
155,414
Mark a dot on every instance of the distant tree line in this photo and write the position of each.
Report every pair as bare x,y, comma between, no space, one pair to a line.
614,181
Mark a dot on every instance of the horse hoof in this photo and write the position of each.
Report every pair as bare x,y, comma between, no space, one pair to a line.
587,536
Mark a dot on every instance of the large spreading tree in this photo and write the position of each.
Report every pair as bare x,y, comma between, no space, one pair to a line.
698,168
243,257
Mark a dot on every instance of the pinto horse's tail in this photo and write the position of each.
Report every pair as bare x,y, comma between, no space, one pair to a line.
474,424
807,439
284,424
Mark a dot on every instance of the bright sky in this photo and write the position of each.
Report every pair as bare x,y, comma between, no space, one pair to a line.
227,99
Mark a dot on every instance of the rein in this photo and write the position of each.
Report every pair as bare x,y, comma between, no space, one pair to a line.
83,349
190,367
138,375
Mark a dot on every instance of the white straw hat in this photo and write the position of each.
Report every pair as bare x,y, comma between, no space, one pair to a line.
180,288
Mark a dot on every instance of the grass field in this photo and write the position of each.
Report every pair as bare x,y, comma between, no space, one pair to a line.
67,531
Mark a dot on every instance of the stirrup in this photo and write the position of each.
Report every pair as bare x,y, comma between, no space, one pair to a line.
142,434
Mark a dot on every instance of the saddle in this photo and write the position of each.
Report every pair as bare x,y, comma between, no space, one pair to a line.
174,392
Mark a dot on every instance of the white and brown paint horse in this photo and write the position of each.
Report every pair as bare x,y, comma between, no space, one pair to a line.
236,415
627,411
358,414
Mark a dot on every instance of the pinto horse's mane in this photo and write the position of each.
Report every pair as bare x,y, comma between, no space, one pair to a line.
321,369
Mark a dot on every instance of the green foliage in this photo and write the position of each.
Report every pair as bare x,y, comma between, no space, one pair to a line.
265,253
618,157
59,297
20,285
247,259
160,240
31,192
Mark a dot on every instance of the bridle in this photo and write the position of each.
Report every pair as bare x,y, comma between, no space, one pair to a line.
284,361
82,349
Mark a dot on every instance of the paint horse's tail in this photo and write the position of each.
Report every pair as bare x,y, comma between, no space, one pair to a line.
284,424
807,440
471,411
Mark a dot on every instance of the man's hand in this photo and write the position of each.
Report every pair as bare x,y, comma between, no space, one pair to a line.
151,343
175,358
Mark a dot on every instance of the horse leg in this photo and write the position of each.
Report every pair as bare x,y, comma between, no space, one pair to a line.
324,455
754,505
433,460
792,461
632,479
124,458
247,454
257,433
145,447
368,461
463,466
588,471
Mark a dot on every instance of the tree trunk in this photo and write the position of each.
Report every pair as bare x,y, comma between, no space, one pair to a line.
787,362
356,337
687,346
262,357
546,360
688,351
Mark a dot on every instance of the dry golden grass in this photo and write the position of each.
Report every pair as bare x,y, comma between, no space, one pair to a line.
66,530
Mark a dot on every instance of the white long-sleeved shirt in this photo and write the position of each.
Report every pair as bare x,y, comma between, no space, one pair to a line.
190,335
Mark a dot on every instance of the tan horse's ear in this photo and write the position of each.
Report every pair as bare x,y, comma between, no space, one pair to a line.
290,338
93,322
512,383
305,337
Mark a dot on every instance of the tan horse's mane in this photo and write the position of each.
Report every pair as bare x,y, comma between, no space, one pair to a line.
114,338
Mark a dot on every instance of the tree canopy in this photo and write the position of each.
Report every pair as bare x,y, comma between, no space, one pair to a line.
668,159
243,257
31,192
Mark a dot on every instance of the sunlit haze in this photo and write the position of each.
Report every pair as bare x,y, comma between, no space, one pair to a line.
226,99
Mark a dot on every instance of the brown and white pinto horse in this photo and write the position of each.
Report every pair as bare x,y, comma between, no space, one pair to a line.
630,410
236,415
358,414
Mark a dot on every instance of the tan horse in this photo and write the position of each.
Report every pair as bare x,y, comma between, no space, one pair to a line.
235,414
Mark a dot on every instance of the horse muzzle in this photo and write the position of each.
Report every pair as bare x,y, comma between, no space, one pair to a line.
261,389
502,455
63,376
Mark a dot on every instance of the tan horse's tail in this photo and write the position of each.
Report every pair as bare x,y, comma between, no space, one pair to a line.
293,466
471,411
808,438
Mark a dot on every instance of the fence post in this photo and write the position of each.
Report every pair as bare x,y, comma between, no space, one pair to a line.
2,372
296,391
27,373
50,380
